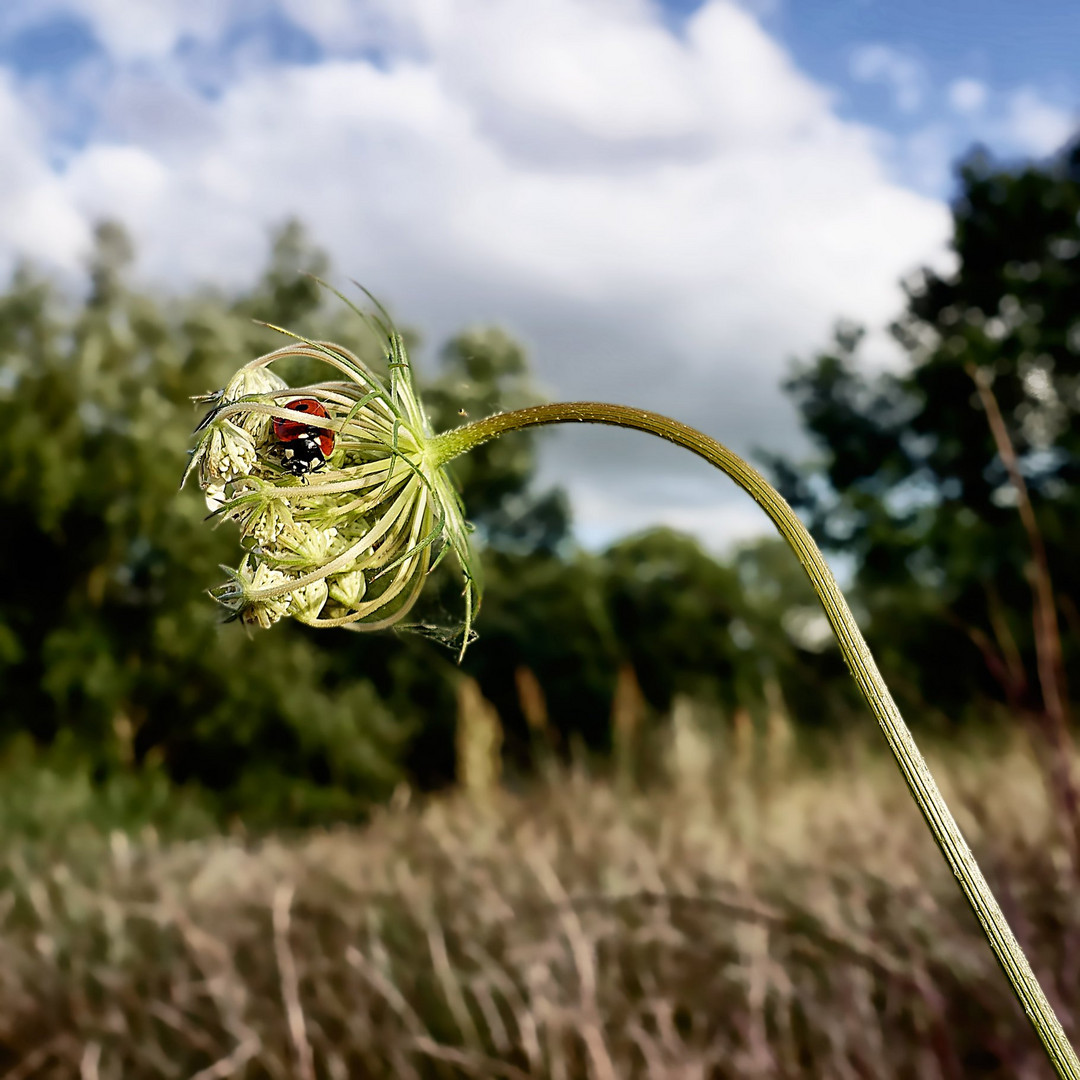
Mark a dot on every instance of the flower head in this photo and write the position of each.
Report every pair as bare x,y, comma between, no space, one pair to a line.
339,499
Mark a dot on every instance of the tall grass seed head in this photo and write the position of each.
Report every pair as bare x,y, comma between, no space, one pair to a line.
340,503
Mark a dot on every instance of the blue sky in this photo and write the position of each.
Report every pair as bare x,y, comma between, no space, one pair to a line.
934,54
666,203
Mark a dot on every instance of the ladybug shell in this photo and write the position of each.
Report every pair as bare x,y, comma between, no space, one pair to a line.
288,431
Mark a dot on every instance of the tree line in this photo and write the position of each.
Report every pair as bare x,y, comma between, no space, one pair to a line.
112,654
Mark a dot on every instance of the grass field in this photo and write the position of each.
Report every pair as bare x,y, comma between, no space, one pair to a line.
741,916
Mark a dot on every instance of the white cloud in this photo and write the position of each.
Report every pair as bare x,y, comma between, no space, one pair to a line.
1021,123
665,220
903,74
141,31
967,96
37,218
561,71
928,154
710,507
1035,126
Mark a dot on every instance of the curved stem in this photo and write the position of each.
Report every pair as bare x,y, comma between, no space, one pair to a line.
920,782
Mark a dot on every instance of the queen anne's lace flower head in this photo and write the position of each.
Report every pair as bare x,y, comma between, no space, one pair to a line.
341,506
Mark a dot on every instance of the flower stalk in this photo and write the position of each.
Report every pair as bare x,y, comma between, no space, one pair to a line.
344,505
913,767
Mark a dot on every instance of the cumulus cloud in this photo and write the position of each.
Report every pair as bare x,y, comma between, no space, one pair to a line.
1018,123
665,219
967,96
37,216
131,31
1033,125
901,73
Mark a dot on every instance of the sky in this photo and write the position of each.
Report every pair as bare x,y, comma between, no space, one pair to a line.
667,202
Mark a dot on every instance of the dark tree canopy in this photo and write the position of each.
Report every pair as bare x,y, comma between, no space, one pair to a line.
914,486
110,649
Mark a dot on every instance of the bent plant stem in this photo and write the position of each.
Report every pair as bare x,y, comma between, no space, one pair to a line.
917,776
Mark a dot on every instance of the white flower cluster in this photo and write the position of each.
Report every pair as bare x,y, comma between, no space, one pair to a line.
348,538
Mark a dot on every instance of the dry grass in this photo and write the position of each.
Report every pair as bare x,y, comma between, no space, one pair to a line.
796,925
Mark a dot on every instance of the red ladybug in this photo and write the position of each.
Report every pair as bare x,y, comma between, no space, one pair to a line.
303,448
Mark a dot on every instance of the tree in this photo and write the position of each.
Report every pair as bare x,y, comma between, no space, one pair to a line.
915,487
107,640
485,371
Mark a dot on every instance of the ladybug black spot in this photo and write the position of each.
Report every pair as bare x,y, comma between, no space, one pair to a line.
302,455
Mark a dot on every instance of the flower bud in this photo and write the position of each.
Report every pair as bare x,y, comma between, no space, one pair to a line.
341,506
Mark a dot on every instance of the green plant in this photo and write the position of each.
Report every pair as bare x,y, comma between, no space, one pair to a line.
352,545
384,510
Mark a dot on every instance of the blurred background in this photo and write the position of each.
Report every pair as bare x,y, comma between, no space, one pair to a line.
841,238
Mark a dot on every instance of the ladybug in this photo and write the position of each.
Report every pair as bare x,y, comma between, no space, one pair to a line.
303,448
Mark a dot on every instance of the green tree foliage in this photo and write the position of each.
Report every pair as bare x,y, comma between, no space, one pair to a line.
109,645
107,632
686,622
113,657
914,487
485,371
548,614
783,635
673,605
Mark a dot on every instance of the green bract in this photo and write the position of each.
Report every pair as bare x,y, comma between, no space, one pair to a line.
351,543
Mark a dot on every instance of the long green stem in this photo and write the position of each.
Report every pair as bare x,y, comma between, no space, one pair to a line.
912,765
